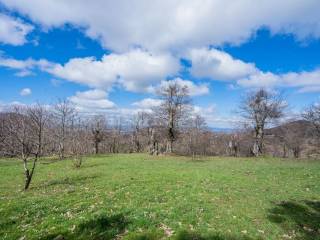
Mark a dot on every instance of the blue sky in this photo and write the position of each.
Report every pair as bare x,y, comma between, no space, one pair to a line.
110,57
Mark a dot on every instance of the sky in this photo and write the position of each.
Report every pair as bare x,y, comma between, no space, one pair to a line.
110,57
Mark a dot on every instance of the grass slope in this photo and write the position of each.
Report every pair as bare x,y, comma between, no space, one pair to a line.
142,197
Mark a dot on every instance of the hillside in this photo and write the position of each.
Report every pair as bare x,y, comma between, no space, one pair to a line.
137,196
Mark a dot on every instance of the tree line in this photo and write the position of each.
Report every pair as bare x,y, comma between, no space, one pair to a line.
36,131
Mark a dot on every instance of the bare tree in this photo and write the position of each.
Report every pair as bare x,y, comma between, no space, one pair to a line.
173,110
195,131
38,119
312,115
3,134
234,144
293,138
138,122
79,141
261,108
26,127
63,114
18,126
98,130
38,116
156,133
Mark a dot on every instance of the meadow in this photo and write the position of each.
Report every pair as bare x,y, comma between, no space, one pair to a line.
138,196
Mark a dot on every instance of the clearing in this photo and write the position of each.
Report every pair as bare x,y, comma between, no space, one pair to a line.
137,196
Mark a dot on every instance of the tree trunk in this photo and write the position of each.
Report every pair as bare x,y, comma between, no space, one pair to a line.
153,143
171,134
96,147
169,146
28,174
257,149
296,152
284,151
27,182
61,151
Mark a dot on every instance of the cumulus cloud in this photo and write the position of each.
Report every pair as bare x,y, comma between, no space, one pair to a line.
215,119
91,101
25,92
147,103
174,24
13,31
218,65
193,89
304,81
309,89
24,67
135,70
16,64
141,71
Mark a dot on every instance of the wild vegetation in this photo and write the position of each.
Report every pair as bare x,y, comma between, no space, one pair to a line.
31,132
140,196
214,190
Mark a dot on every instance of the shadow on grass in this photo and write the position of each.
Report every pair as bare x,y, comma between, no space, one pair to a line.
186,235
301,218
99,228
68,181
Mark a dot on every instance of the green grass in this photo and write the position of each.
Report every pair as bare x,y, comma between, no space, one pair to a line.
138,196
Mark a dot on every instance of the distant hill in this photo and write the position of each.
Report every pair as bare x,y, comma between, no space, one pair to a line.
298,126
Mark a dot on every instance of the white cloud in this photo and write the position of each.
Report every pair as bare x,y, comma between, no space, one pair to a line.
25,92
305,81
24,67
17,64
309,89
204,111
174,24
215,119
141,71
92,101
13,31
147,103
135,70
218,65
193,89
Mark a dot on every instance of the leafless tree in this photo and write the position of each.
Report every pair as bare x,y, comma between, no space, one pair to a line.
26,127
293,138
139,121
18,127
63,114
154,131
234,144
312,115
3,133
261,108
38,118
196,129
173,110
98,129
80,140
116,132
38,115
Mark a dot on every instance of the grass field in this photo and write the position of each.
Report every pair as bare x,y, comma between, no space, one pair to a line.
142,197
